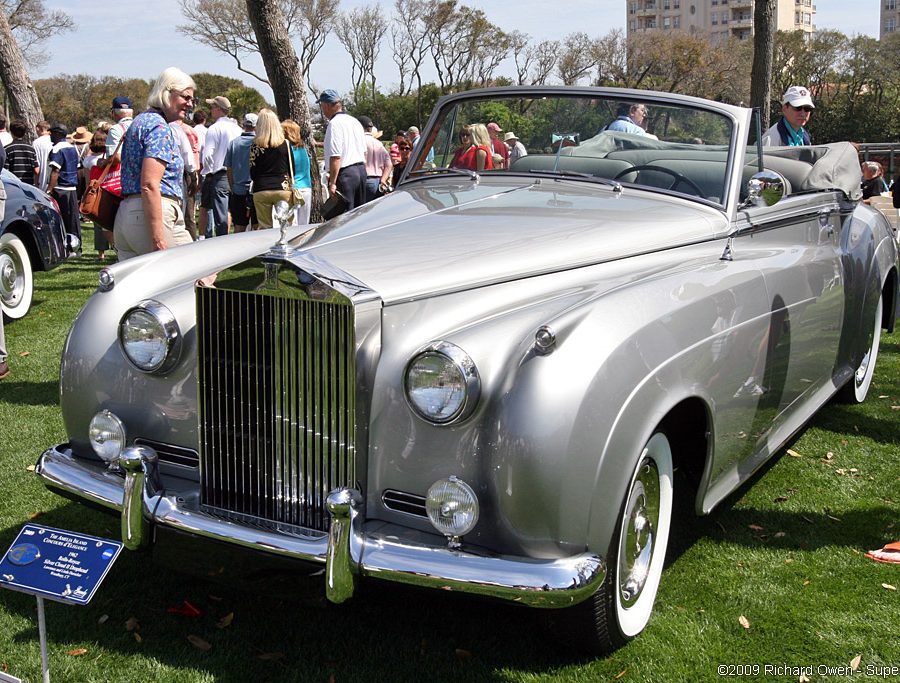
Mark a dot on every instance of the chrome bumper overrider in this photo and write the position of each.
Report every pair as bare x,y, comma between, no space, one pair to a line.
347,551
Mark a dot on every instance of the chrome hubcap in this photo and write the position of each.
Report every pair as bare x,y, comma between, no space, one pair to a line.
863,367
11,283
638,533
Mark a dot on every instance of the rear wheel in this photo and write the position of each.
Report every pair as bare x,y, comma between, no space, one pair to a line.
16,278
856,390
621,607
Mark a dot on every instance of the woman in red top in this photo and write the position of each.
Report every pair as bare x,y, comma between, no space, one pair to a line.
475,151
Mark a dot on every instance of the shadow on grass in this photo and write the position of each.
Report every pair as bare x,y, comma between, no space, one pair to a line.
804,530
30,393
846,419
889,347
386,632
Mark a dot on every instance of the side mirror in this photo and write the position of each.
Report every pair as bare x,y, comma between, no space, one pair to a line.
765,189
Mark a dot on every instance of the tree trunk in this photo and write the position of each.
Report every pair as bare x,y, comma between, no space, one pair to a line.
763,50
286,78
23,99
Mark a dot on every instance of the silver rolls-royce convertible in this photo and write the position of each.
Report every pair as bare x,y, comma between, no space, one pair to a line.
485,380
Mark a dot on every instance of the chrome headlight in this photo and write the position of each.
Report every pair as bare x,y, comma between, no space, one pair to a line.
149,336
107,435
452,507
442,383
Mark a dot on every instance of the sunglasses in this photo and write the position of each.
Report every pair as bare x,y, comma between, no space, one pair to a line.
807,109
186,98
405,148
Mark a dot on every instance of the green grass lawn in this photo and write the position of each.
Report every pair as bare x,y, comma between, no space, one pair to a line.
787,554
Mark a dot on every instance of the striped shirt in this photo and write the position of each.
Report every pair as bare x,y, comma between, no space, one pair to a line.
21,160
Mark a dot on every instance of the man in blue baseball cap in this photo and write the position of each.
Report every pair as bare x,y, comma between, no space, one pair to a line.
123,113
345,150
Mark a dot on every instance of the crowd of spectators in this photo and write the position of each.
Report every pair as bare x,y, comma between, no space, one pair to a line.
187,174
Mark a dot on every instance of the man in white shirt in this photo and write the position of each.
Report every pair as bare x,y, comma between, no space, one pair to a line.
123,113
214,191
516,149
42,146
345,151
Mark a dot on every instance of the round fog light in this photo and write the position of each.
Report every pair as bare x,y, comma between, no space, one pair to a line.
452,507
107,435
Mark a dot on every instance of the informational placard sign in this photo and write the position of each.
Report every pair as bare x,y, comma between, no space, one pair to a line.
56,564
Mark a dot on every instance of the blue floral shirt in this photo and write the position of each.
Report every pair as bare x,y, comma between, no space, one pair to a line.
150,136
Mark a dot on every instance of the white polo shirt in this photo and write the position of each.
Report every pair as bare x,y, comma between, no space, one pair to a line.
345,138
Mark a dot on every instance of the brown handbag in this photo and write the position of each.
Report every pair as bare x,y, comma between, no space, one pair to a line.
98,204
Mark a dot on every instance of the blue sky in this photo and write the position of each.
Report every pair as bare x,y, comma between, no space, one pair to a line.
131,38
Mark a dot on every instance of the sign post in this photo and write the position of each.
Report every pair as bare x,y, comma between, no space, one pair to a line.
58,565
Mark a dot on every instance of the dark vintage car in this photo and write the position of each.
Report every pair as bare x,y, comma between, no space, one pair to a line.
485,381
32,237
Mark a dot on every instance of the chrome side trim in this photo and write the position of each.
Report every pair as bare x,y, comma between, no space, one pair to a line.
348,553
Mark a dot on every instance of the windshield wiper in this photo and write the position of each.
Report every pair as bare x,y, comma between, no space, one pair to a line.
445,169
614,184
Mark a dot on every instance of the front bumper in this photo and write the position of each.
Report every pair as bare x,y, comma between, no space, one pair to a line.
348,551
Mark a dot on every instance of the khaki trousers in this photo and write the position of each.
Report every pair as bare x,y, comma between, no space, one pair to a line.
133,234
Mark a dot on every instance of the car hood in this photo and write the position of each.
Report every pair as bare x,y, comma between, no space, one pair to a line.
439,235
434,236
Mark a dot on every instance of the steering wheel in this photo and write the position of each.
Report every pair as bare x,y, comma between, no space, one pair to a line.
679,177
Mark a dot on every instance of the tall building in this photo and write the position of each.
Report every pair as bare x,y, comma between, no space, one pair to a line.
890,17
720,18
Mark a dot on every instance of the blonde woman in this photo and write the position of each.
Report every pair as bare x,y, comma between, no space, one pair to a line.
302,178
475,152
269,167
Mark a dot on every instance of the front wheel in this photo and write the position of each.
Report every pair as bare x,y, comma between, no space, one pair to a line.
621,607
16,279
856,390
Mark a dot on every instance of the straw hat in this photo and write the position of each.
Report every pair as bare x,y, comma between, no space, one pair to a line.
82,135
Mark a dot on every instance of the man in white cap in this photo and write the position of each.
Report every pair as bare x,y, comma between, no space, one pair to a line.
378,161
516,149
790,131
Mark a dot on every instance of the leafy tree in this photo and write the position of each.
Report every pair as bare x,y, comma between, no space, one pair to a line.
411,38
84,100
466,47
576,58
286,77
31,23
24,24
224,25
245,99
360,32
209,85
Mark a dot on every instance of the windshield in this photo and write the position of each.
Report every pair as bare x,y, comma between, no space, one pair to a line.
637,141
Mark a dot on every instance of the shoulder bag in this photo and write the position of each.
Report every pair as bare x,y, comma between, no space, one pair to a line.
103,195
296,195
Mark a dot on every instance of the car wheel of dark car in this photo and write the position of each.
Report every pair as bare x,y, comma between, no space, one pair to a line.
16,278
622,606
857,388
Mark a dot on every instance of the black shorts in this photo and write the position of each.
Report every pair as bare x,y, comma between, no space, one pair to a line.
242,209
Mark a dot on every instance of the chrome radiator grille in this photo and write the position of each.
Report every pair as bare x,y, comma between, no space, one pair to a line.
277,402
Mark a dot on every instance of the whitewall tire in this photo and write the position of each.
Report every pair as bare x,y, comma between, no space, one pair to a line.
16,277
